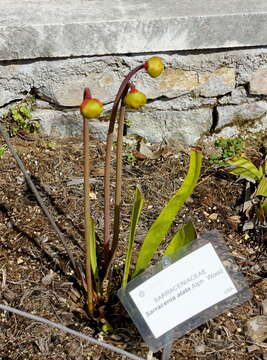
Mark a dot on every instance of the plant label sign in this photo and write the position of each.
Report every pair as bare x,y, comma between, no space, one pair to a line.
200,282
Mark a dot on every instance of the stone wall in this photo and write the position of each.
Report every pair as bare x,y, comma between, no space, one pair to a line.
199,91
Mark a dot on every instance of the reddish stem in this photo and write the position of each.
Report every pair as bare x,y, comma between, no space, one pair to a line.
108,161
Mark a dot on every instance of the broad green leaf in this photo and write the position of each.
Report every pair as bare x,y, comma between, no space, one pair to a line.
161,225
137,207
243,167
183,236
93,256
262,187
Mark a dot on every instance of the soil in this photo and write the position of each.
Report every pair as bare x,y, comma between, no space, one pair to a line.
36,276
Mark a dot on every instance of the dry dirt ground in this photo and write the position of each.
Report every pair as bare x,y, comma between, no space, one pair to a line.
35,275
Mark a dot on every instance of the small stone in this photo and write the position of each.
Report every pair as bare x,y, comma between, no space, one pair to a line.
47,279
201,348
20,179
256,269
257,328
264,306
258,83
9,295
20,261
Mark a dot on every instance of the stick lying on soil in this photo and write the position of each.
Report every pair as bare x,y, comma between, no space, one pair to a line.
70,331
39,199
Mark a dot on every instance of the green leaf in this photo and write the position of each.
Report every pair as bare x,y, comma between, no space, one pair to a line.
183,236
137,207
93,256
262,187
3,149
244,167
26,111
161,225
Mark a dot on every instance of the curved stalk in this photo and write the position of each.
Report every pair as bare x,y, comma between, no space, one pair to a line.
117,210
107,163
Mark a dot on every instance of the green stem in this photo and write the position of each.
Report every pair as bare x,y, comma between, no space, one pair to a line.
87,214
108,166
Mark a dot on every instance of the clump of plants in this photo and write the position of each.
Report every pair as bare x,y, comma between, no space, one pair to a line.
18,119
255,205
98,267
96,279
226,148
3,150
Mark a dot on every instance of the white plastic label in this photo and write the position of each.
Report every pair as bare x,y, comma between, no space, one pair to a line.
182,290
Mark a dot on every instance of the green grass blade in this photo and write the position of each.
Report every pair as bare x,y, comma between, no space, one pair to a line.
93,255
262,187
161,225
243,167
183,236
137,207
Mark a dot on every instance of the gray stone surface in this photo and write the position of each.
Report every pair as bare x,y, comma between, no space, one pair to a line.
60,124
63,28
237,97
186,127
185,102
264,306
219,82
63,80
241,113
258,83
257,328
180,101
256,130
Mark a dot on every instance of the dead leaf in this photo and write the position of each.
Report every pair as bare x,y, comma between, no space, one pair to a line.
213,216
147,152
235,219
98,172
138,155
92,196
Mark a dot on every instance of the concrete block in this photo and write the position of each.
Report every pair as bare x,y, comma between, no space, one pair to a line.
64,28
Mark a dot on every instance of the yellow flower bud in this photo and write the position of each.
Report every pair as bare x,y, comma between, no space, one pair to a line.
154,66
91,108
135,98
